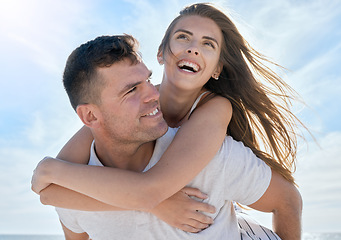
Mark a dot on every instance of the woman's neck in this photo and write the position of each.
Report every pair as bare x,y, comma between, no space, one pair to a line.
176,103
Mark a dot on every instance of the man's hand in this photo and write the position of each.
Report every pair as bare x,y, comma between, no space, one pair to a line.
39,179
183,212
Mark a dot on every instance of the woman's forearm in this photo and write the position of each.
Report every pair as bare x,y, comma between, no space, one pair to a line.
102,183
58,196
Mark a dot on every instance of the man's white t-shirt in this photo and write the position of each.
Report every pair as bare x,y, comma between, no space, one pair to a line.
234,174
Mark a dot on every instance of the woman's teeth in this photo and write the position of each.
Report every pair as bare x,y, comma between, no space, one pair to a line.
188,66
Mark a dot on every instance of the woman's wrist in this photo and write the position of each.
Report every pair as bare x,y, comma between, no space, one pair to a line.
50,169
43,175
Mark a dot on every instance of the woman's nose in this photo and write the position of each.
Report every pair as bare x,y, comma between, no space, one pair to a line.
193,50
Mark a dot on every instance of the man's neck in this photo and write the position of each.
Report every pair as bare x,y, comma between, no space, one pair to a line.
129,157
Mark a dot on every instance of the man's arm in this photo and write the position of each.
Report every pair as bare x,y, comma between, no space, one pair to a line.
284,200
69,235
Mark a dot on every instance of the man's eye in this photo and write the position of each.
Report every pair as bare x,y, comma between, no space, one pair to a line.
131,90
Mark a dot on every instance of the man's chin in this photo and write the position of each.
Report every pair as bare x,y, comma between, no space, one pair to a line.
163,128
160,130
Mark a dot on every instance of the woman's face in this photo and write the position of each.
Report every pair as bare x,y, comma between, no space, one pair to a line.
196,44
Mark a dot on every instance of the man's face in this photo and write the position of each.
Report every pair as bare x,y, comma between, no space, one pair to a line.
130,110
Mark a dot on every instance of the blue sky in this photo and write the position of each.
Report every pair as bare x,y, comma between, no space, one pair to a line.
36,120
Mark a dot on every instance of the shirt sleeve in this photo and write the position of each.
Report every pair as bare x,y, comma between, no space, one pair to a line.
246,176
69,220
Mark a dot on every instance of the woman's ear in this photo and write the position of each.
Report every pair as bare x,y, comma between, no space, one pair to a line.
219,68
160,57
89,115
217,71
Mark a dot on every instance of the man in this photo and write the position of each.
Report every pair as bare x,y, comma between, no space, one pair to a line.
120,106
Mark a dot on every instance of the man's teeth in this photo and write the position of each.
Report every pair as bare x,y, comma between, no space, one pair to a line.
188,66
153,113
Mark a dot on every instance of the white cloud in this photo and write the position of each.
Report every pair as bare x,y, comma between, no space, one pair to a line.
318,83
304,37
319,178
285,27
39,27
20,206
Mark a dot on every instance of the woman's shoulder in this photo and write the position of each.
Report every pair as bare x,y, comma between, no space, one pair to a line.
214,107
214,100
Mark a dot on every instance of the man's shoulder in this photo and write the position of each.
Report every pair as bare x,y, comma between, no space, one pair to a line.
233,146
234,151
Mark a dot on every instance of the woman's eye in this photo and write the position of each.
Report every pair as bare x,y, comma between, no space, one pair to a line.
181,36
209,44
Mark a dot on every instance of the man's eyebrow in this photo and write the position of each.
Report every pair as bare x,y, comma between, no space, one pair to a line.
190,33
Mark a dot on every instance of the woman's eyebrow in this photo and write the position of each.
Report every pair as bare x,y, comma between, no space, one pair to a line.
204,37
183,30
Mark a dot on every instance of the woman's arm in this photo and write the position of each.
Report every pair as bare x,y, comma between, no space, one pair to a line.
193,147
61,197
180,210
77,149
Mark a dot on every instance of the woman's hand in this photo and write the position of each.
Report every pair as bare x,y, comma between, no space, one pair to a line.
40,179
183,212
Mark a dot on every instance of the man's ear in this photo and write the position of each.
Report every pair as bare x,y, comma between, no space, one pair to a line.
89,114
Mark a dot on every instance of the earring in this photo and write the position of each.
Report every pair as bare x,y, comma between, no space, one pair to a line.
215,77
160,60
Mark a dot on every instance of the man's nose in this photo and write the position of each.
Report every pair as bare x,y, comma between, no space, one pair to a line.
150,93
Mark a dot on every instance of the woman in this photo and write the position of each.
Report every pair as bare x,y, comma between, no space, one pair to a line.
212,60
